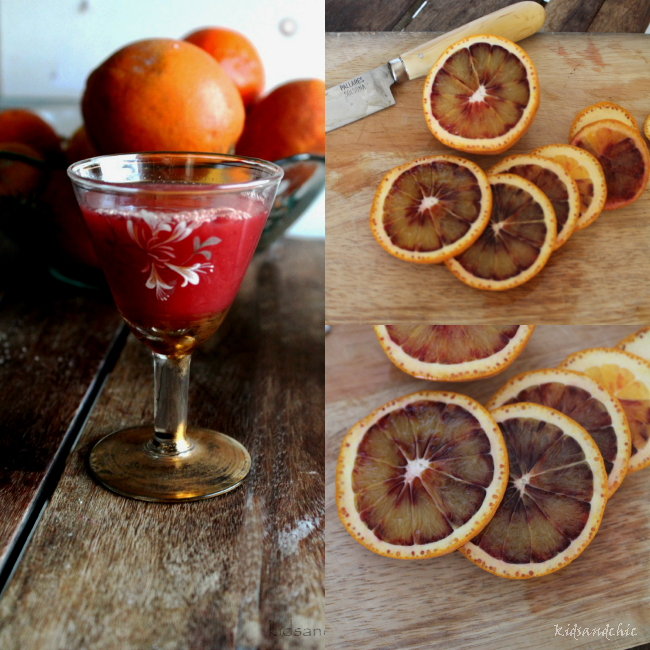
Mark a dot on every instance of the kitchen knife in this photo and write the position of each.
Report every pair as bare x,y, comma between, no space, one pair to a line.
370,92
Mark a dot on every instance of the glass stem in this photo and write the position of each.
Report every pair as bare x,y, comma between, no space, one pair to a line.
171,383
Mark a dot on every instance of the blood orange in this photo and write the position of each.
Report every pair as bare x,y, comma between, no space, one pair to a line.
600,111
517,242
481,95
421,475
431,209
586,171
553,179
622,154
583,400
637,343
627,377
555,498
453,352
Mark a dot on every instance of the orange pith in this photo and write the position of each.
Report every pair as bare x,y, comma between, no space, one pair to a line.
637,343
481,95
646,127
627,377
622,154
583,400
453,352
586,171
430,209
420,475
556,183
555,497
600,111
516,243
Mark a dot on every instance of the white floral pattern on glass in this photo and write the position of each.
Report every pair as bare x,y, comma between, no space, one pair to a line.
155,234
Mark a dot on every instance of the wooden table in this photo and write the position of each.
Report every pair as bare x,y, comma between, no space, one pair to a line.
612,16
84,568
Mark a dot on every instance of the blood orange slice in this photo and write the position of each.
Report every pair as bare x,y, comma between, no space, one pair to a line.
622,154
481,95
637,343
453,352
553,179
586,171
646,127
600,111
586,402
431,209
517,242
421,475
627,377
555,498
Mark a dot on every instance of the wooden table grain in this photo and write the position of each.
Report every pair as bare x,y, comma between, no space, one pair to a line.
611,16
245,570
55,345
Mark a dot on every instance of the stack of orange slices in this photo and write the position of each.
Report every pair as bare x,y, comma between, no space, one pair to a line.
518,487
481,96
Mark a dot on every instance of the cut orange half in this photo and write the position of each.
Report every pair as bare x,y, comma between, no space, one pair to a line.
453,352
431,209
421,475
600,111
555,498
586,171
622,154
554,180
517,242
582,399
627,377
481,95
637,343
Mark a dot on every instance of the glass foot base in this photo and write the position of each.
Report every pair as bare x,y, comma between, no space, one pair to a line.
215,464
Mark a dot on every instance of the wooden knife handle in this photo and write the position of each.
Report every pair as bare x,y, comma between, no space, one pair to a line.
515,23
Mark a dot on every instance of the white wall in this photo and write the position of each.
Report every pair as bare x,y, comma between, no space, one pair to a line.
48,47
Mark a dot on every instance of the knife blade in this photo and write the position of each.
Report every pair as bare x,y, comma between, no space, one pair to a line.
370,92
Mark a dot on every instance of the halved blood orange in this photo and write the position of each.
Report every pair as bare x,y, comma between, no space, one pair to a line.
481,95
517,242
627,377
637,343
554,180
600,111
586,171
431,209
421,475
555,498
582,399
622,154
453,352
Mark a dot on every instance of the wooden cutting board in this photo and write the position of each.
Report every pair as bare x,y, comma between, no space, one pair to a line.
599,276
380,603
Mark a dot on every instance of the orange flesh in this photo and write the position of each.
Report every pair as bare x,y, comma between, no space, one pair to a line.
551,184
512,241
634,398
481,92
421,472
622,162
431,205
586,190
451,344
546,504
579,405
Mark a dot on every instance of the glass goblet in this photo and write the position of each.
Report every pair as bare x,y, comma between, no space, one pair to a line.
174,234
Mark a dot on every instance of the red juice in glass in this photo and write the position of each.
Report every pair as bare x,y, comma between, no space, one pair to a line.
173,266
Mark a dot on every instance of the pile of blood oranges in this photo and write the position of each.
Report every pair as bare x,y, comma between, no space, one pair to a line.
203,93
480,97
518,487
